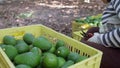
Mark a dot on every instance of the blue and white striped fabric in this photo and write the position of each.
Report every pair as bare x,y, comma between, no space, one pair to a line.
112,10
111,25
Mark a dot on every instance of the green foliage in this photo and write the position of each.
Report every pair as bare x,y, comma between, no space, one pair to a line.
91,20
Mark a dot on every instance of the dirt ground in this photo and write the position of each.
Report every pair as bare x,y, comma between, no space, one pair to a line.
56,14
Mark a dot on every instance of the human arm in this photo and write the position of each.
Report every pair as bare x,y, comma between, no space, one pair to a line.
116,6
110,39
90,32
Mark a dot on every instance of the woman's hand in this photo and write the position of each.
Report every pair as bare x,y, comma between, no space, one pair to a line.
90,33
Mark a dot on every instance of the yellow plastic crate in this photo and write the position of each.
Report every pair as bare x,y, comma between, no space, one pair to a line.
77,35
94,55
77,26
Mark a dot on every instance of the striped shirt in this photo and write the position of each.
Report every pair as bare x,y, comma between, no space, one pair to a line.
110,29
112,12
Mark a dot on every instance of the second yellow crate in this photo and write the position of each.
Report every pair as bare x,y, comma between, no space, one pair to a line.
77,26
77,35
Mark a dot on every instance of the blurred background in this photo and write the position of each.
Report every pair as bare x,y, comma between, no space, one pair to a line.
56,14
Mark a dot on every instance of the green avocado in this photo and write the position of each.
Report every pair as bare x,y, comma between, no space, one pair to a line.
52,49
36,50
81,58
23,66
73,56
2,45
28,58
22,47
59,43
42,43
11,51
28,38
67,64
61,61
62,52
50,61
9,40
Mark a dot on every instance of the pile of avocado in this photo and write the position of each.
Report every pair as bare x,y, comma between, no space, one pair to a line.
38,52
91,20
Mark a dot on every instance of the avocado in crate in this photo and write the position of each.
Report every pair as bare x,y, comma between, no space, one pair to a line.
46,44
20,53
